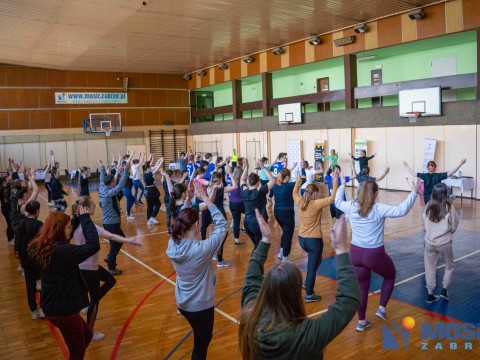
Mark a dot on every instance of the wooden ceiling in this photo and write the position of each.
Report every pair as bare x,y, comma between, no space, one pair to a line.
168,36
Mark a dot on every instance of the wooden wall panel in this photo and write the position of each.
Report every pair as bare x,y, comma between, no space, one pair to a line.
235,70
389,31
454,16
27,98
226,75
219,75
2,76
8,99
149,80
19,119
211,75
471,14
114,79
434,22
167,115
325,49
409,29
60,119
182,116
285,57
16,76
274,62
205,80
357,46
134,80
3,120
371,37
46,98
174,98
133,117
309,52
57,78
40,119
96,79
263,60
185,99
243,69
254,67
151,117
77,116
297,53
141,98
77,78
37,76
158,97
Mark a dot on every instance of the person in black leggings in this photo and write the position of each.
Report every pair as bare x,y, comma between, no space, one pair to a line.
152,193
235,202
255,197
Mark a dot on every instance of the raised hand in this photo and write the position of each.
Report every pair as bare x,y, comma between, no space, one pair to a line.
416,185
82,210
338,236
200,193
100,162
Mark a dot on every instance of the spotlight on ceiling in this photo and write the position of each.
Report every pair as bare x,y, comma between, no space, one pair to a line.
315,40
345,40
416,14
248,59
187,77
223,66
360,29
278,50
202,73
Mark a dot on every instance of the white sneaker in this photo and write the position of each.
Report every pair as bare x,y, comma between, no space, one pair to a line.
280,254
39,285
150,222
285,259
34,315
231,225
130,217
153,220
41,315
51,203
11,243
97,336
223,263
215,257
20,268
85,310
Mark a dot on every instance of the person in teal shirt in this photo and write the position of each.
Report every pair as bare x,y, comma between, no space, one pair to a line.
333,158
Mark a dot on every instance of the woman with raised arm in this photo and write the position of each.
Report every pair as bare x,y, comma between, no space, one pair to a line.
310,236
92,273
64,293
432,178
274,323
5,191
192,260
254,197
175,194
367,218
441,221
152,193
136,175
235,202
57,191
84,174
47,175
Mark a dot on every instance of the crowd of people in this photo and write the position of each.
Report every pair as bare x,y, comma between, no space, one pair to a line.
72,280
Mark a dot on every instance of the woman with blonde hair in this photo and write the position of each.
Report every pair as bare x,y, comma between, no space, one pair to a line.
310,237
367,251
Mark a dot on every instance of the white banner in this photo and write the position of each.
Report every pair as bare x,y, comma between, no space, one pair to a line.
90,98
294,154
429,152
359,146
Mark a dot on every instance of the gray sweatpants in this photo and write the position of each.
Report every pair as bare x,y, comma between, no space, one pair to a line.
431,257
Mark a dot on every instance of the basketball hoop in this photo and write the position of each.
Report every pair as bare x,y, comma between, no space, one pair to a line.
284,124
413,115
107,130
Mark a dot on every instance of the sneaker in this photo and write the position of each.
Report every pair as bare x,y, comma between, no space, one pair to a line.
432,298
178,312
362,327
20,268
139,202
106,259
223,263
85,310
115,271
304,285
239,243
280,254
215,257
231,225
312,298
130,217
381,314
11,243
39,285
150,222
34,315
243,231
153,220
97,336
51,203
444,294
40,313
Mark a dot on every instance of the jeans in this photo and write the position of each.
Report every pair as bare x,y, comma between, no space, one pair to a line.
153,202
364,261
137,184
314,249
206,221
76,333
202,325
129,198
236,208
92,279
286,220
114,246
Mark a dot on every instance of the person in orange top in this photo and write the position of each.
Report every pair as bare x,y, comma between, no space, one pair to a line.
310,208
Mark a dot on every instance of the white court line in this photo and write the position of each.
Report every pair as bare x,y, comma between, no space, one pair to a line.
232,319
151,234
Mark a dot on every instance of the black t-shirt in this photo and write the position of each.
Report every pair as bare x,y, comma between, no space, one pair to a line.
430,180
363,178
27,230
254,199
84,186
149,179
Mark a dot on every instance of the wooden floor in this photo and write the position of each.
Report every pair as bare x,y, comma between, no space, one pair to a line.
139,318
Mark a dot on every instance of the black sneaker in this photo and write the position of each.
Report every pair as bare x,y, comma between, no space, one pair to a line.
115,271
444,294
106,259
243,231
312,298
432,298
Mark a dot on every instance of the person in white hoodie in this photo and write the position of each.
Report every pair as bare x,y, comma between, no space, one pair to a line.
367,251
441,221
192,260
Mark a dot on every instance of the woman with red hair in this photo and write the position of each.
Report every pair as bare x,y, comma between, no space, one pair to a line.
64,293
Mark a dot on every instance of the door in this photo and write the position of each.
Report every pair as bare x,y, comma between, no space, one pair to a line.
323,84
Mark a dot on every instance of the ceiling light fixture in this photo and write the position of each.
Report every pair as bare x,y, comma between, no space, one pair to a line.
416,14
223,66
315,40
365,58
278,50
202,73
248,59
187,77
345,40
360,29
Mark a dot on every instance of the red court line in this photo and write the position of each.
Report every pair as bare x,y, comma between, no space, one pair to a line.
132,315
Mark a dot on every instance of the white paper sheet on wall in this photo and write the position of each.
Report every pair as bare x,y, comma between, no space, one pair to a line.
294,153
429,152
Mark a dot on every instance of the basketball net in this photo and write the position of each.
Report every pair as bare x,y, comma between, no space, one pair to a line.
108,131
413,115
284,124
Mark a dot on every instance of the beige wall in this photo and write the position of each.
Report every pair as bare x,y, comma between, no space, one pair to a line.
393,145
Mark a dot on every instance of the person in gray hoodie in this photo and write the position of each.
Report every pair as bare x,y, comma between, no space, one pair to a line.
108,191
192,260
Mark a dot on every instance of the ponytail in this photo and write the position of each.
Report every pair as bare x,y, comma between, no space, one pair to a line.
310,191
178,190
366,197
186,219
282,174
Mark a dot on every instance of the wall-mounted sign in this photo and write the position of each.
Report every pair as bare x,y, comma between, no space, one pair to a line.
90,98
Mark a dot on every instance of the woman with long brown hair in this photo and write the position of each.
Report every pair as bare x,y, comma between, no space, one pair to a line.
441,221
310,236
367,218
274,324
64,293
